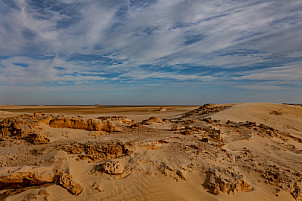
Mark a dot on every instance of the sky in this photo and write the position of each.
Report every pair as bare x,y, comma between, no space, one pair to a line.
150,51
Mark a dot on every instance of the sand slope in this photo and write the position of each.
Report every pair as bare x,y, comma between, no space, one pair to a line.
287,118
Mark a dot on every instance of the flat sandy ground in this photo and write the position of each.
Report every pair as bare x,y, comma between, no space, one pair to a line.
250,151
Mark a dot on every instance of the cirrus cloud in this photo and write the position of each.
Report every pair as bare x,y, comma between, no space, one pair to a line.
63,43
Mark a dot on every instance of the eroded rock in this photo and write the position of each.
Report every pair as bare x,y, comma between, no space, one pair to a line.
68,182
112,167
152,120
95,151
37,138
10,127
82,123
15,177
204,110
220,180
118,119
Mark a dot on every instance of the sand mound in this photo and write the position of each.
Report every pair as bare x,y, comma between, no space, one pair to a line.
283,117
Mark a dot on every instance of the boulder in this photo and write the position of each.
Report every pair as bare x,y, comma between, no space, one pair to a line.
37,138
67,181
112,167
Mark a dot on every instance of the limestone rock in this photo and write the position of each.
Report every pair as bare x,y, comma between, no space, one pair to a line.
12,177
152,120
116,119
162,109
38,138
67,181
221,180
297,193
112,167
95,151
205,109
10,127
82,123
175,127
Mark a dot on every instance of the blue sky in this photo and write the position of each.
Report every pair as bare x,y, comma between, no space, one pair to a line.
150,52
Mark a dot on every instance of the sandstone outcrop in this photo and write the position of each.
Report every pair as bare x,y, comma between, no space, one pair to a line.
23,127
11,127
95,151
112,167
37,138
152,120
205,109
16,177
68,182
220,180
82,123
118,119
20,177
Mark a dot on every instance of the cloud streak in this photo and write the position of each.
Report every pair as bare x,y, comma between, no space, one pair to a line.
72,42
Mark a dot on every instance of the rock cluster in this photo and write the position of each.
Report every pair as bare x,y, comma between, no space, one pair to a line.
112,167
118,119
22,127
297,192
95,151
283,180
37,138
221,180
205,109
276,112
263,130
11,127
207,132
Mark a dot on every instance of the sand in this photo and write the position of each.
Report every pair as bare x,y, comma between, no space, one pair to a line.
250,151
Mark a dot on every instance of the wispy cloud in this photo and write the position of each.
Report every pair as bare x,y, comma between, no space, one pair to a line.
72,42
261,87
289,72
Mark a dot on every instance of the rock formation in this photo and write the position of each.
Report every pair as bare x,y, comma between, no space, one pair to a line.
221,180
82,123
113,167
152,120
12,177
68,182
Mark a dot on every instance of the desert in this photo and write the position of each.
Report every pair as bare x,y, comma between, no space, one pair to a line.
242,151
150,100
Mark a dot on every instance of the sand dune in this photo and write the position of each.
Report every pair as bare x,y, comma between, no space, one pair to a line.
249,152
283,117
